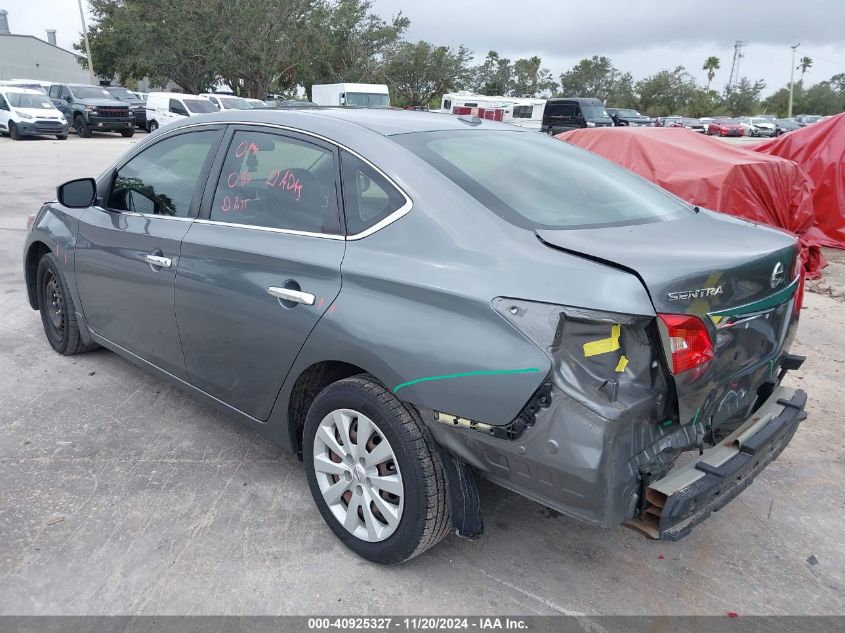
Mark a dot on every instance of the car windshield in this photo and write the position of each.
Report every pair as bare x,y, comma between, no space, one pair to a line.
537,182
235,103
199,106
631,113
688,121
594,112
727,121
90,92
257,103
367,100
123,93
26,100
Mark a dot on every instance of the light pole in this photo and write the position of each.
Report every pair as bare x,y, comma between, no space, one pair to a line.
791,78
91,64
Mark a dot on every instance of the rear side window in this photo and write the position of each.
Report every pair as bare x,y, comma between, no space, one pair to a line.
368,197
278,182
537,182
161,180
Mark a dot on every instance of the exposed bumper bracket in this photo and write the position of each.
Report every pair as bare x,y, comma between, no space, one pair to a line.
689,493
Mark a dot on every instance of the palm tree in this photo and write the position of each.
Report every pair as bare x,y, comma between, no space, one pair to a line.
711,65
804,65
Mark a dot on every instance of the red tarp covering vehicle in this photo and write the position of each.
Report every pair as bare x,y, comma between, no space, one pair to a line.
820,151
714,175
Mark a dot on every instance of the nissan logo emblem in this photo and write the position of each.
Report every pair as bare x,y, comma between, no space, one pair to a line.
777,275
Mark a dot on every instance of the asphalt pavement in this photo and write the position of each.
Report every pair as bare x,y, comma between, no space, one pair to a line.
120,494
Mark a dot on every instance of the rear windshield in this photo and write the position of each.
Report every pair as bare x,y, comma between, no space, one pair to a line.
26,100
728,121
537,182
198,106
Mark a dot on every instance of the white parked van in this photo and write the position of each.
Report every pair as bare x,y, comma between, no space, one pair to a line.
166,107
360,95
25,112
227,102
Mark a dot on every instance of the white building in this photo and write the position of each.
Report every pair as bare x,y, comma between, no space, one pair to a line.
27,57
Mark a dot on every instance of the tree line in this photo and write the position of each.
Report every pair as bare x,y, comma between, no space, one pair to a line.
277,46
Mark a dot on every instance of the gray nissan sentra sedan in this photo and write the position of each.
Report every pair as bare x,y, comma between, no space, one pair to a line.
410,300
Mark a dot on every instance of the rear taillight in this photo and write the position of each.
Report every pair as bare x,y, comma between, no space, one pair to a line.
689,341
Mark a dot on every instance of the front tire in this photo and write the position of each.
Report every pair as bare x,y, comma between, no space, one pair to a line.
374,472
152,126
82,127
13,131
61,137
128,133
58,314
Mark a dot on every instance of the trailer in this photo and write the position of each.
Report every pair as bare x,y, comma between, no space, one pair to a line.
524,112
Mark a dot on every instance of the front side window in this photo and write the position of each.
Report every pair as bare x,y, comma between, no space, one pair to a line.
368,197
177,108
162,179
536,182
3,104
594,112
278,182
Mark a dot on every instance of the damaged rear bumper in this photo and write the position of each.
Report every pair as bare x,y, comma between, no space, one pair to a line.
690,492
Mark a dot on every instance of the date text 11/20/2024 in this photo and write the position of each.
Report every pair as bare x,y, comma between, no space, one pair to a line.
482,623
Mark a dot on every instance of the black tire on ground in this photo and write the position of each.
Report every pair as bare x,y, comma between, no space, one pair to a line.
425,519
82,127
152,126
61,137
13,131
128,133
58,314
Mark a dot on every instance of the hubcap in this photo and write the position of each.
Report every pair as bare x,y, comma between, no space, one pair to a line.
358,475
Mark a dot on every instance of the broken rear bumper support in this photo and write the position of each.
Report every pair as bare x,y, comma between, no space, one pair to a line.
688,494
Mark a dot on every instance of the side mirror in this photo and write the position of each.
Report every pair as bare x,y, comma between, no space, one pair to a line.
69,99
77,194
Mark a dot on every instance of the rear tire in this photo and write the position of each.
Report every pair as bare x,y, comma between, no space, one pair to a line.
58,314
152,126
397,446
13,131
82,127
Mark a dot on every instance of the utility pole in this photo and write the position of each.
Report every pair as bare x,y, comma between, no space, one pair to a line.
792,78
738,55
87,46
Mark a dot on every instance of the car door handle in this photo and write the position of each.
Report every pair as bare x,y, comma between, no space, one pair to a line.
289,294
158,261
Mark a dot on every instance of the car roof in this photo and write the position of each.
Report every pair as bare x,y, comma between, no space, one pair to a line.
28,91
384,121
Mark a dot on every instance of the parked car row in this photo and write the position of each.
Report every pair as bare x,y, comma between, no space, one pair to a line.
35,108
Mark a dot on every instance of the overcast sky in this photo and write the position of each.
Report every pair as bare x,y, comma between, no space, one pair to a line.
640,36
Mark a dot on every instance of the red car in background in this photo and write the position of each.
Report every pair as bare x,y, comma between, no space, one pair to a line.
723,126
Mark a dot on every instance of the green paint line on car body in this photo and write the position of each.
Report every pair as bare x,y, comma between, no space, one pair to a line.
488,372
782,296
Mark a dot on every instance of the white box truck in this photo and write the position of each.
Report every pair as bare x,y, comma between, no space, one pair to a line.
347,94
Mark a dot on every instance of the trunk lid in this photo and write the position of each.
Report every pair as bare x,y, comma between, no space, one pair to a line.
734,275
